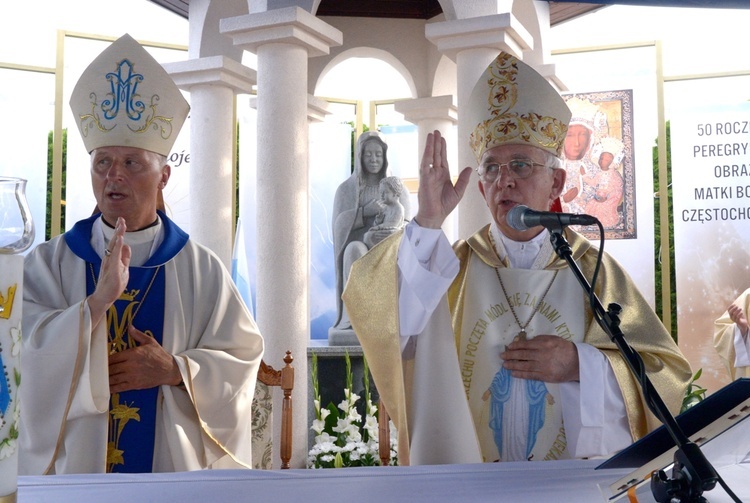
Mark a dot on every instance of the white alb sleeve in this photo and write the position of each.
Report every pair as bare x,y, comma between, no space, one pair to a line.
741,349
427,266
596,421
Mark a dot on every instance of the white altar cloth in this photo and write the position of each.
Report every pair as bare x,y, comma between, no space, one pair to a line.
520,482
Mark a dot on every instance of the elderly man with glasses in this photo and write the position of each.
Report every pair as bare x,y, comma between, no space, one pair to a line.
488,351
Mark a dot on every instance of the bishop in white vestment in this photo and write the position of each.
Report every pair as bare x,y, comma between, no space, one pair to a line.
488,350
139,354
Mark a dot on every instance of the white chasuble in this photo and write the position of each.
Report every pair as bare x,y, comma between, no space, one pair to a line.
515,419
213,337
472,325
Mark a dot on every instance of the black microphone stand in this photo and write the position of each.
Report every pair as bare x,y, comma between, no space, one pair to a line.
691,473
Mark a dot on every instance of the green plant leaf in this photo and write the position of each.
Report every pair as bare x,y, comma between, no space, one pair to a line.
694,393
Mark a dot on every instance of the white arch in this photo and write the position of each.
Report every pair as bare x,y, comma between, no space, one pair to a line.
369,52
444,81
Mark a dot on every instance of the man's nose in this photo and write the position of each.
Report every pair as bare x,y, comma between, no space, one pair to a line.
504,178
116,170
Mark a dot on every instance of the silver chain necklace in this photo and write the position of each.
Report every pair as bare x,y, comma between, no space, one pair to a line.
522,334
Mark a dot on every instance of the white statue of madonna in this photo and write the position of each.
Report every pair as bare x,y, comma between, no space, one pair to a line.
356,207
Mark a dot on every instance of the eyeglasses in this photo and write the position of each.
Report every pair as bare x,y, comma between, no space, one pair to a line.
517,168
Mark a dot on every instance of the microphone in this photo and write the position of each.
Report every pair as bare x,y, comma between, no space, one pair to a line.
522,218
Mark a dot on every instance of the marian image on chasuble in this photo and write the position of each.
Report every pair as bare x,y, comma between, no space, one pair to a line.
515,419
132,414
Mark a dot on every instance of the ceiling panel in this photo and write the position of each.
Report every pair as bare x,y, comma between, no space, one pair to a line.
403,9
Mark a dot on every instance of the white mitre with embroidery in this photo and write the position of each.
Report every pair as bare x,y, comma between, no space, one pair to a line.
126,99
513,104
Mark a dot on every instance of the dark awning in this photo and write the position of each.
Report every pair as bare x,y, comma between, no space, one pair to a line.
713,4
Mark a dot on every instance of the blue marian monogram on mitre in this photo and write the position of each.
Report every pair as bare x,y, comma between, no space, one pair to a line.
124,98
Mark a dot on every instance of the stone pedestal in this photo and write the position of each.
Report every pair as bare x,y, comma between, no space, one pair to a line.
339,337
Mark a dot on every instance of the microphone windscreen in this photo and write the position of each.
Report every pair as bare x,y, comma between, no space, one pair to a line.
514,218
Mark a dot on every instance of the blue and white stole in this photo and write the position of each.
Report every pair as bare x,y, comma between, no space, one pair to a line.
132,415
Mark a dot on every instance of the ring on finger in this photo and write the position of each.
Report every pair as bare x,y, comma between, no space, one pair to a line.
107,253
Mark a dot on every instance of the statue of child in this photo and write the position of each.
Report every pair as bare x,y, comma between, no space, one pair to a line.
390,217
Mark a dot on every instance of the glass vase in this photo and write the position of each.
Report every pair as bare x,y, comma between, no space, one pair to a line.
16,225
16,236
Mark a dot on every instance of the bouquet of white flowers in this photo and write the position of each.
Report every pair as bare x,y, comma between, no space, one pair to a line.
342,437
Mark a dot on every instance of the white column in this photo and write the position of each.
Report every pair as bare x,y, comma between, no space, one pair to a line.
430,114
473,43
283,40
212,83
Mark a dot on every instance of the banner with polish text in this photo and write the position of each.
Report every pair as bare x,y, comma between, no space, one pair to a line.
711,195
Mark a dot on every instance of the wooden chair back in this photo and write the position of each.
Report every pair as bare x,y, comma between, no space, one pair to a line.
384,435
284,379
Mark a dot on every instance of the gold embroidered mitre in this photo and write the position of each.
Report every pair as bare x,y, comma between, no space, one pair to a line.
512,104
126,99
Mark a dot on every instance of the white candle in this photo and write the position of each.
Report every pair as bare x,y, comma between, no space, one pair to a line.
11,302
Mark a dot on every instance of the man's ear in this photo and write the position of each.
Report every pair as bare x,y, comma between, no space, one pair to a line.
558,182
165,174
481,189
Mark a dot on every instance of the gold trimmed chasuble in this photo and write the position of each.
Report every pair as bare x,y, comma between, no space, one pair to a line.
511,418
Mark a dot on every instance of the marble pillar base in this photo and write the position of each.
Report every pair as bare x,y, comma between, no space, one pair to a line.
340,337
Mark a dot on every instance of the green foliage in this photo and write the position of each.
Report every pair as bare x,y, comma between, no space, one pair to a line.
666,238
694,393
237,176
48,222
